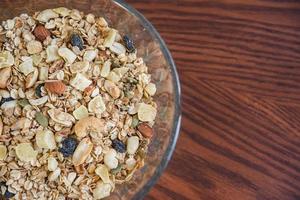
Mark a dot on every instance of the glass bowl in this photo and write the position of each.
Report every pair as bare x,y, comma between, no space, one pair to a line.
161,65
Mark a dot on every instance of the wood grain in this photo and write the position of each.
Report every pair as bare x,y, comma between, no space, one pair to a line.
238,63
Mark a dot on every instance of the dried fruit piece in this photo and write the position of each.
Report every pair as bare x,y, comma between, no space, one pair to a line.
63,118
102,190
5,74
52,164
41,119
89,124
6,59
102,171
80,82
8,194
146,112
67,54
129,44
77,41
25,152
96,105
34,47
110,159
119,146
132,144
110,38
26,67
81,112
82,151
80,67
68,146
52,53
38,91
46,15
56,87
145,129
41,33
3,152
45,139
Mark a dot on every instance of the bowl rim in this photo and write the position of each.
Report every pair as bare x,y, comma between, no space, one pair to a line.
177,91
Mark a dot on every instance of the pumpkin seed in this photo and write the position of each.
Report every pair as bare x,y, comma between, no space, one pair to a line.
41,119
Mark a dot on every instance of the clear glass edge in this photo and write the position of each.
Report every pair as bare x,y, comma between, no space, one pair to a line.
177,118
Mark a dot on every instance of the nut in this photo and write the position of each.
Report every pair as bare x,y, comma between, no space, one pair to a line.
52,53
41,33
45,139
110,159
67,54
96,105
80,82
52,164
146,112
81,67
34,47
26,67
46,15
112,89
81,112
145,130
90,55
56,87
132,144
89,124
6,59
61,117
82,151
102,171
102,190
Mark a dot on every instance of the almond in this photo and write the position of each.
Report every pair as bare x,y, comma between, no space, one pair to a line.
57,87
41,33
145,130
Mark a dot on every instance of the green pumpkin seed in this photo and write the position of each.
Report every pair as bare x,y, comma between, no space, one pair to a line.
23,102
116,170
41,119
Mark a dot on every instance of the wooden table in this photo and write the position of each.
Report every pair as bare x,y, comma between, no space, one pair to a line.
239,65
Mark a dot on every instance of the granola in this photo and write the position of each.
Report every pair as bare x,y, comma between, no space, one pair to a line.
76,106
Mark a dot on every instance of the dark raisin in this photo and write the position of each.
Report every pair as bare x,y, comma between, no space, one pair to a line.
68,146
8,195
4,100
77,41
119,146
129,44
38,91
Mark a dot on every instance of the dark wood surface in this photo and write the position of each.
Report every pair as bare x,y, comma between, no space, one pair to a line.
239,65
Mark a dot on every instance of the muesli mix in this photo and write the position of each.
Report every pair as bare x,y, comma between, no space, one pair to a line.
76,103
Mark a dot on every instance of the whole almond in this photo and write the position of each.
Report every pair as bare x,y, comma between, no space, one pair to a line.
41,33
57,87
145,130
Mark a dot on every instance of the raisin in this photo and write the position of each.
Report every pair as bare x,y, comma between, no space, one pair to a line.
119,146
4,100
77,41
38,91
8,195
129,44
68,146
